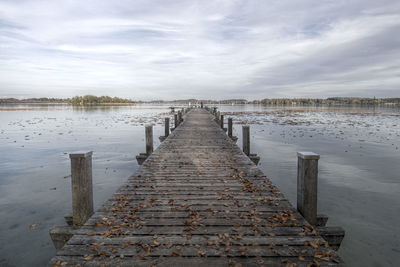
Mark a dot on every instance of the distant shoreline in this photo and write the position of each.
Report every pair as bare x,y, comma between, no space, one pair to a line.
67,104
90,100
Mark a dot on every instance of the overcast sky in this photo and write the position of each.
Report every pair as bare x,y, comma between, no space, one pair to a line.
201,49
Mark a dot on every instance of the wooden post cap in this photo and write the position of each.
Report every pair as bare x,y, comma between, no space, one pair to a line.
308,155
80,154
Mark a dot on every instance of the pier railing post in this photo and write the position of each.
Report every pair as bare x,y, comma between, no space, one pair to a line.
246,144
217,116
166,130
307,182
149,139
222,123
149,145
176,120
230,127
166,126
82,187
246,139
230,130
180,116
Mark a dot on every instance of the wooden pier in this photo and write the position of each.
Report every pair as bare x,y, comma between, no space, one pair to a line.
197,200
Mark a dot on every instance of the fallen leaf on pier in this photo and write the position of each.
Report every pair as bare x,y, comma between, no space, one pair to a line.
98,244
201,253
126,244
175,254
234,264
88,257
59,264
313,264
311,244
326,256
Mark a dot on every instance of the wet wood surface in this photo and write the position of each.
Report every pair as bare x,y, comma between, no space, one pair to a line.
197,200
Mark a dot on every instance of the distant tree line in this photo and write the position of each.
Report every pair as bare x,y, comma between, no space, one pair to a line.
33,100
78,100
98,100
332,101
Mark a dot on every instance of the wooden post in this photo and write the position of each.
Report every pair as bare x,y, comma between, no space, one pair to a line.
246,139
166,126
180,116
222,121
149,139
176,120
82,187
149,145
307,182
230,129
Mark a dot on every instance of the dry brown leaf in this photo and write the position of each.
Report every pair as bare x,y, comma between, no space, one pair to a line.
175,254
88,257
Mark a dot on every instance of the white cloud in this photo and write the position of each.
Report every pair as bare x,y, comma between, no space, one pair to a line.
208,49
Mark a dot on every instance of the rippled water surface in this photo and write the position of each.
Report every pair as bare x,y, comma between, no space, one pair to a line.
359,181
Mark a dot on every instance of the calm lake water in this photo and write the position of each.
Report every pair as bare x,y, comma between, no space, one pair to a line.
359,180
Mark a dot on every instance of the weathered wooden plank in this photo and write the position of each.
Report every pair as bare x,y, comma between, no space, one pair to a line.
279,261
201,222
211,240
193,204
135,196
184,214
183,230
188,250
